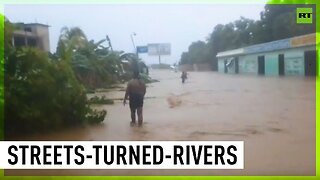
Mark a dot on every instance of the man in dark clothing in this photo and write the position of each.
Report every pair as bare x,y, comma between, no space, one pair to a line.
184,76
136,89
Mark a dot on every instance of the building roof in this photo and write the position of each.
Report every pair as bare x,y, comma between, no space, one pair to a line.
30,24
298,41
231,52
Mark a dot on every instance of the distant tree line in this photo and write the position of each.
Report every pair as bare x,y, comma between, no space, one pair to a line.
277,21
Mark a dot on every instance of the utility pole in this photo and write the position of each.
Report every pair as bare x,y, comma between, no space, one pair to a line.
109,41
158,51
134,46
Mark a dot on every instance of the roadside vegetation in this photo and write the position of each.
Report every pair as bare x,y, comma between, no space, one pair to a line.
46,92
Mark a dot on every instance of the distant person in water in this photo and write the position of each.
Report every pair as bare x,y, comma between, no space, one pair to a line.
184,76
136,89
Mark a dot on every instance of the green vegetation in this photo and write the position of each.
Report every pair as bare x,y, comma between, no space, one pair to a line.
276,22
1,76
46,92
100,100
94,65
42,93
146,79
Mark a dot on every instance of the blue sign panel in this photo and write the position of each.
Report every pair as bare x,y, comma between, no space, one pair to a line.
142,49
270,46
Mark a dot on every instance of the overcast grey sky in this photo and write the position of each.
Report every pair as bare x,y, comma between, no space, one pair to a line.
179,25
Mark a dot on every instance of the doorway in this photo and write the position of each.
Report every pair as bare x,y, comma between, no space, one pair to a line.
225,66
236,63
261,65
310,63
281,64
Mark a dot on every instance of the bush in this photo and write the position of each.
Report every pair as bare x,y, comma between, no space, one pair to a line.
144,77
147,79
42,94
95,116
101,100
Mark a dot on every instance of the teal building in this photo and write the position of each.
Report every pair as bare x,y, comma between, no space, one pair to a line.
292,56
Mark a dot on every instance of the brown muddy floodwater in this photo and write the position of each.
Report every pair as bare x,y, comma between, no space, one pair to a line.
275,117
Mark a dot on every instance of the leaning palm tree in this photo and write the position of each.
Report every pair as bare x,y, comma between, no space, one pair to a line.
94,65
132,63
69,41
74,37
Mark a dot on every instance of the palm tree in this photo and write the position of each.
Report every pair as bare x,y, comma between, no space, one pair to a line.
94,65
132,63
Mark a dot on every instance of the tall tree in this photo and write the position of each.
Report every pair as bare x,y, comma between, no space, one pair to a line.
277,21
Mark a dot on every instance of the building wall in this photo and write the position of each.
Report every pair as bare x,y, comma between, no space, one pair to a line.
272,64
195,67
293,62
202,67
221,65
232,68
43,34
37,35
248,64
186,67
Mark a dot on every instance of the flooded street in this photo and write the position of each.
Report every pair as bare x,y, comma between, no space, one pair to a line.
275,117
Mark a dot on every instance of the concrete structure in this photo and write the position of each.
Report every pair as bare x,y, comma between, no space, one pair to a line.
195,67
34,34
292,56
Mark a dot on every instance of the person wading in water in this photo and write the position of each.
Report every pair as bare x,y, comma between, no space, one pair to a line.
184,76
136,89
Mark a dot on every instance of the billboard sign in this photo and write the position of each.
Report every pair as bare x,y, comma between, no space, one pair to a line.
157,49
142,49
